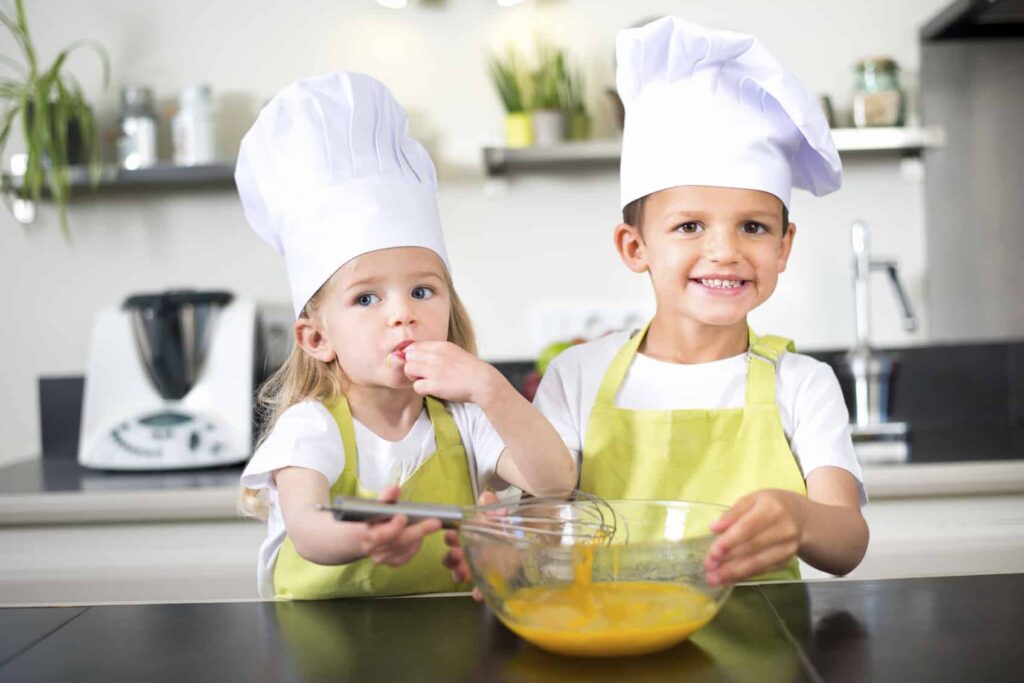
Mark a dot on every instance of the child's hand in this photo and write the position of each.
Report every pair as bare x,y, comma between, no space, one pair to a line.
760,533
395,542
449,372
455,559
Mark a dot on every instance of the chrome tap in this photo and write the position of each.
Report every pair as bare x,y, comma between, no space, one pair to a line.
871,370
863,265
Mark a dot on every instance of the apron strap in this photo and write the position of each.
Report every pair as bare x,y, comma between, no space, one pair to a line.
446,433
762,361
343,416
616,372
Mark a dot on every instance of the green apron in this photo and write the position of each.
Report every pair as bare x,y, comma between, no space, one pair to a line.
710,456
442,478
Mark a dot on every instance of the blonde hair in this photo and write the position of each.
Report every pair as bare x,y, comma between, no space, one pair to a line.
304,378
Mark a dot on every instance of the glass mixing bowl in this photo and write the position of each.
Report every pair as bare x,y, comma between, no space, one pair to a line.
639,588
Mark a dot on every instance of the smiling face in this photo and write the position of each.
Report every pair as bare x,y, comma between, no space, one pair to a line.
374,306
713,253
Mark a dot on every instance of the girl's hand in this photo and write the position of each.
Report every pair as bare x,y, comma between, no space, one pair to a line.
447,371
455,559
395,542
760,533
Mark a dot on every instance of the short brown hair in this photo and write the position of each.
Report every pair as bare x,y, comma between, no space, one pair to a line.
633,214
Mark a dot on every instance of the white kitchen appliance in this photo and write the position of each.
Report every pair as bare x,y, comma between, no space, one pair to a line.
170,383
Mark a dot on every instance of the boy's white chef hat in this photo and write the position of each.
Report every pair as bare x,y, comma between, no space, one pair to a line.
329,172
709,107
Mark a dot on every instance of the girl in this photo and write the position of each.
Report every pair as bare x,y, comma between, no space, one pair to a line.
383,386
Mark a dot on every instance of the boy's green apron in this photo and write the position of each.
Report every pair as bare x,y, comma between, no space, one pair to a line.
710,456
442,478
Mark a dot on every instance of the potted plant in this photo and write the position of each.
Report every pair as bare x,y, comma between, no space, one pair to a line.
548,117
577,120
510,82
57,123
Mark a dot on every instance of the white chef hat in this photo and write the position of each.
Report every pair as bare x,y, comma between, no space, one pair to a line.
329,172
708,107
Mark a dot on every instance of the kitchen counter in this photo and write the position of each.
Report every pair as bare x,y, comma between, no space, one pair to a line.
934,629
59,491
77,536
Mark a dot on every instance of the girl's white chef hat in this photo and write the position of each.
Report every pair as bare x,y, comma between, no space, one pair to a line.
329,172
708,107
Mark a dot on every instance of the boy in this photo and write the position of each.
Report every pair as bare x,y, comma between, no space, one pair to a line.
696,406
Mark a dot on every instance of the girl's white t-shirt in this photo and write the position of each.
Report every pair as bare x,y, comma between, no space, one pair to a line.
306,435
811,407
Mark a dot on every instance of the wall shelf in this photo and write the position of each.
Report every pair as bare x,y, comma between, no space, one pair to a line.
594,153
154,177
114,178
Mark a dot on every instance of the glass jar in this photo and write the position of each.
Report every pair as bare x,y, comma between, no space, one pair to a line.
878,99
136,140
193,128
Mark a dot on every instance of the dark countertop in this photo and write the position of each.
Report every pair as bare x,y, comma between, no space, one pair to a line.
932,629
65,475
964,404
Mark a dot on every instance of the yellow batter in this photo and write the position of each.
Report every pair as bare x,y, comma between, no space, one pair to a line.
606,619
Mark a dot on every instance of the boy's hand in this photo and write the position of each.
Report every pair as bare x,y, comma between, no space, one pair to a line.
449,372
455,559
395,542
760,533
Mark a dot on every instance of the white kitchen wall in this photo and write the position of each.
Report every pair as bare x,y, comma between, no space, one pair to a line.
516,246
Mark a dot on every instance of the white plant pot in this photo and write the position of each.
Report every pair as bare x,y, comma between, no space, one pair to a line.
548,127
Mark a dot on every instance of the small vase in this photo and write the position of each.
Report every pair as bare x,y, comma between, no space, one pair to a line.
548,127
577,126
518,130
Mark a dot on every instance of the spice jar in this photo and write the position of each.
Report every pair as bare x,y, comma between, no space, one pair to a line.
136,126
878,99
192,128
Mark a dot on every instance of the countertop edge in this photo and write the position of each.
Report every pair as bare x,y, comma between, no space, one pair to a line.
944,479
219,503
214,503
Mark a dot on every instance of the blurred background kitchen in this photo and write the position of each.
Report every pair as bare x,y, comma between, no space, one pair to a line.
918,255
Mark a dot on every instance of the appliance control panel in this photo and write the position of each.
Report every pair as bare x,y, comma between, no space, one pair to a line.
165,439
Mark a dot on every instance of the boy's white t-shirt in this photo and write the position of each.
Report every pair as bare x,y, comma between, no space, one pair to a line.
306,435
814,415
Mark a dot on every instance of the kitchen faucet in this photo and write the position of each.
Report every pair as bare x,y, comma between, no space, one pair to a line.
872,370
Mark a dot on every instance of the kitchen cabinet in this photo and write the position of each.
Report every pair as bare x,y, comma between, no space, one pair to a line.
190,544
940,535
127,562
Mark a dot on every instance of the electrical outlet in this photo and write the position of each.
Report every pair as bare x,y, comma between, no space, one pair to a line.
563,323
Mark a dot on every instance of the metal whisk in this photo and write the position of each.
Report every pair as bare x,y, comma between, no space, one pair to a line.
584,518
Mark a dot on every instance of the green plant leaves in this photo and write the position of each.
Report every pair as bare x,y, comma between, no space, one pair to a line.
50,103
550,84
509,78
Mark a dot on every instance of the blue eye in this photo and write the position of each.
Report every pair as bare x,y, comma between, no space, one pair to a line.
366,299
422,293
690,227
753,228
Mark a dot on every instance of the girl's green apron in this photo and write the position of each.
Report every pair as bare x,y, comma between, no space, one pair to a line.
710,456
442,478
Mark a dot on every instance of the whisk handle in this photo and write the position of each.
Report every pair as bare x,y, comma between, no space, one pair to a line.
349,509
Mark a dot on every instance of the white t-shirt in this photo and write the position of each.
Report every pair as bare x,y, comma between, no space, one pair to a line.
811,406
306,435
